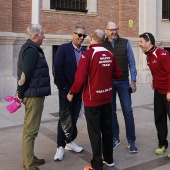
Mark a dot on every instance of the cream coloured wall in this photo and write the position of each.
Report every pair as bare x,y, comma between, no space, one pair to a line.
10,44
147,23
150,20
163,27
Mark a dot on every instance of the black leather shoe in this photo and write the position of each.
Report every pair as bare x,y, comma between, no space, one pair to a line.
37,162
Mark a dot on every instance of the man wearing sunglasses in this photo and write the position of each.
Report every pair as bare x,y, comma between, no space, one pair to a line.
65,65
158,61
123,51
94,75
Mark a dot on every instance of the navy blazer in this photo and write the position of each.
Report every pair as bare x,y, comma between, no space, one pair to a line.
65,66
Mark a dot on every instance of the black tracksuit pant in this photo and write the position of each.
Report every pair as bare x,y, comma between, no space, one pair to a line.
160,115
99,126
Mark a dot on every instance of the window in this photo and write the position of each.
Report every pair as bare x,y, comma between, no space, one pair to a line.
90,6
69,5
166,9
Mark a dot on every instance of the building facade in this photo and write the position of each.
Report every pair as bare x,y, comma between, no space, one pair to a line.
59,16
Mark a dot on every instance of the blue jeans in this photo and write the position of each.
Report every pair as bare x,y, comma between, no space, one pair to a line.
74,107
122,88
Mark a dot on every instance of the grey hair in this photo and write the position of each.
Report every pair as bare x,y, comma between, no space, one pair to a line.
98,35
33,29
78,26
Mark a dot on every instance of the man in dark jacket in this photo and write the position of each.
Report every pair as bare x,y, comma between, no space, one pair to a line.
123,52
94,75
65,65
158,61
33,86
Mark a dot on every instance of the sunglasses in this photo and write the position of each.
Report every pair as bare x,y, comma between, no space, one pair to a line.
80,35
147,37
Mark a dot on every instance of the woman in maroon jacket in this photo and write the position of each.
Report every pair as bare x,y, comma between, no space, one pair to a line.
158,61
97,67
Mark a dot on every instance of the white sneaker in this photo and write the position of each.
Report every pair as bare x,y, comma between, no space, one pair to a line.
59,154
109,165
72,146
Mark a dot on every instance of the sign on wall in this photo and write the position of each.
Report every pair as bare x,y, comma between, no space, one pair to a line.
130,23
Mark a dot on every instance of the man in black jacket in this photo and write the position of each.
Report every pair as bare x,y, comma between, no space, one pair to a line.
33,86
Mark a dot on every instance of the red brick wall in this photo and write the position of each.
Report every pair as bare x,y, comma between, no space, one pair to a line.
129,9
21,14
16,15
6,16
63,23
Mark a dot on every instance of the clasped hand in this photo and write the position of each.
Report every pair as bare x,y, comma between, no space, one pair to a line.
70,97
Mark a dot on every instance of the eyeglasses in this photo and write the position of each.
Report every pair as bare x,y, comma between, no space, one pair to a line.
80,35
148,37
112,30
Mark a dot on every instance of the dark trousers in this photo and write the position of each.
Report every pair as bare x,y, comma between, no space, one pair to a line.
74,107
160,115
99,126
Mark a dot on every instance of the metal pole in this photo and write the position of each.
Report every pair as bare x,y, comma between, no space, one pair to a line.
35,12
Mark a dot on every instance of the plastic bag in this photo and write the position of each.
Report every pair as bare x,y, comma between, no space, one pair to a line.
14,106
66,123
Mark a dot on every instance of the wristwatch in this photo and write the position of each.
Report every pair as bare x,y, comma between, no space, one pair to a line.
70,92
